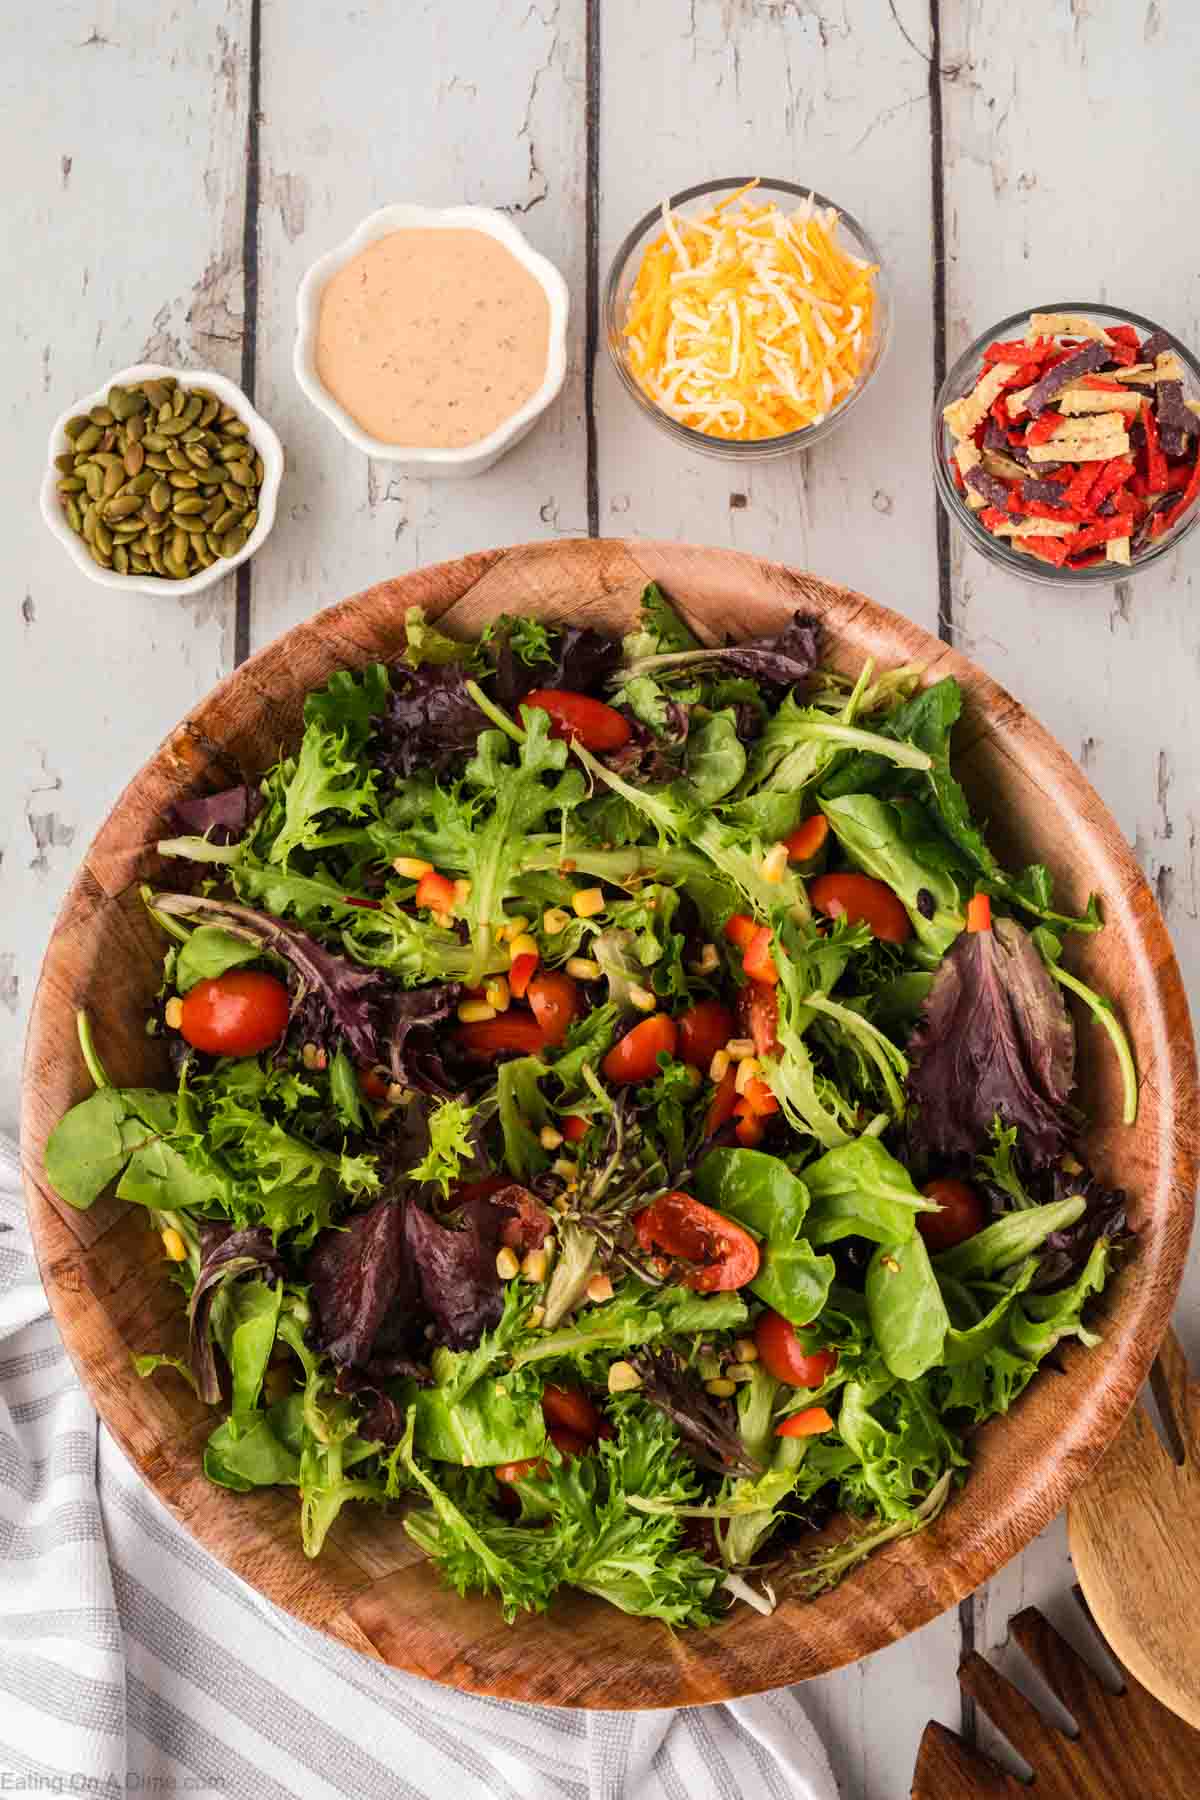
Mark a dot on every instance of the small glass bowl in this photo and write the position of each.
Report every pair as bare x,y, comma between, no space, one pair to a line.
961,379
623,273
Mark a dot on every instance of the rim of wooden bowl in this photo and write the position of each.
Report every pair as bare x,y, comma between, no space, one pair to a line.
104,1277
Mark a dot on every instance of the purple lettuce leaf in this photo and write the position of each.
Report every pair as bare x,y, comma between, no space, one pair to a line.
1065,1252
651,759
223,818
410,1045
994,1038
782,660
430,719
358,1274
456,1269
225,1254
708,1428
583,658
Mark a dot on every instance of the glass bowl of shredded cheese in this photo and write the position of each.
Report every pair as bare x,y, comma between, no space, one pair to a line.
747,316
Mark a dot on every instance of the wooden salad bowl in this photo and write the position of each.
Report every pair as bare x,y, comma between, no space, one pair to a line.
371,1588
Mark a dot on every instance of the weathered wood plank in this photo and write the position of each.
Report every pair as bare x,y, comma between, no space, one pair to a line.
830,96
418,103
128,219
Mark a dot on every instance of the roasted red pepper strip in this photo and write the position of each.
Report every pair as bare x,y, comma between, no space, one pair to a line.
999,414
1043,429
1052,550
1156,462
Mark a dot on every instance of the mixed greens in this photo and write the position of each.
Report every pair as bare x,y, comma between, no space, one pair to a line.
622,1113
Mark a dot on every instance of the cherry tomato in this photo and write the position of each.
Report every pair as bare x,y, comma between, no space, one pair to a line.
574,1128
373,1085
758,1017
554,998
521,973
235,1014
703,1030
962,1213
635,1056
566,1442
784,1356
570,1409
758,959
510,1031
739,929
808,839
862,900
725,1256
809,1423
720,1107
598,727
435,892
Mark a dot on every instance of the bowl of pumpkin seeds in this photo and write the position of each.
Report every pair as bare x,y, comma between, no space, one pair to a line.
162,479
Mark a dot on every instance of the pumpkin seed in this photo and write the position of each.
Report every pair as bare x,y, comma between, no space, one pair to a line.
135,429
188,504
233,541
154,440
89,520
66,463
240,472
190,525
250,521
71,484
122,506
141,484
155,461
177,457
198,456
88,437
141,564
212,407
100,556
180,478
114,480
157,392
234,427
160,496
178,545
170,427
102,537
102,415
93,476
135,456
214,510
213,542
74,426
74,516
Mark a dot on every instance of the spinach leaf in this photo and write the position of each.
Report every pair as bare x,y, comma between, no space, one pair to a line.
762,1194
925,721
861,1190
495,1421
92,1143
244,1318
209,952
147,1365
716,760
895,844
251,1453
908,1315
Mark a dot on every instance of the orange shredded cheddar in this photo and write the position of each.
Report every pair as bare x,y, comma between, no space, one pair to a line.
750,322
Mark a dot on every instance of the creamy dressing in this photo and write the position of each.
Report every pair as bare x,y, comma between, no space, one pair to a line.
433,338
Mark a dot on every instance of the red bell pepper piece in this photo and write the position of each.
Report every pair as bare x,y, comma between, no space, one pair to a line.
1156,462
1025,376
1063,475
1014,502
1049,549
1043,429
1013,351
957,475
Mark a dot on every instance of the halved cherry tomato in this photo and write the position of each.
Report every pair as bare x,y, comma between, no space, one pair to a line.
784,1356
726,1256
373,1085
739,929
808,839
720,1107
703,1030
568,1443
570,1409
962,1213
635,1056
235,1014
809,1423
512,1030
435,892
862,900
979,913
758,1017
521,973
598,727
574,1128
758,959
554,998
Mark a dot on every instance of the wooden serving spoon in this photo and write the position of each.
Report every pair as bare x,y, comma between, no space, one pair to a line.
1134,1532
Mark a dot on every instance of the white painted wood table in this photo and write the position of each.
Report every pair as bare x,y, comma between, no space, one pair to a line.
171,170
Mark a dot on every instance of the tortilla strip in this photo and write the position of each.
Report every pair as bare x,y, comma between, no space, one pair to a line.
1167,367
1064,325
966,455
1092,438
1117,550
1034,528
995,464
1096,400
962,416
1015,403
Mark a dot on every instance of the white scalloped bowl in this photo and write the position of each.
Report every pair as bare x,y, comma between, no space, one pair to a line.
472,459
263,438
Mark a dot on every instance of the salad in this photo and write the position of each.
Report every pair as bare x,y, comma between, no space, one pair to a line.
1076,444
622,1113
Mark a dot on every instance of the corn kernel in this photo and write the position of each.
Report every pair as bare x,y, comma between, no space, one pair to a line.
443,920
534,1265
511,928
475,1012
720,1389
718,1068
554,920
173,1012
643,999
747,1071
708,961
588,902
536,1315
462,892
600,1289
623,1378
312,1057
522,945
565,1167
412,867
496,993
738,1048
774,863
738,1372
506,1264
550,1139
746,1350
583,968
173,1244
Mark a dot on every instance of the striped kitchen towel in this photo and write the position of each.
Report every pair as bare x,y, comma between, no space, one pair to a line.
131,1662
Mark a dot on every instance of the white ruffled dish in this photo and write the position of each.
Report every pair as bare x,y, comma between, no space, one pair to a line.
472,459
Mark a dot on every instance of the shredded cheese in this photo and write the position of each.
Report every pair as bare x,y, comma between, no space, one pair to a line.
749,322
